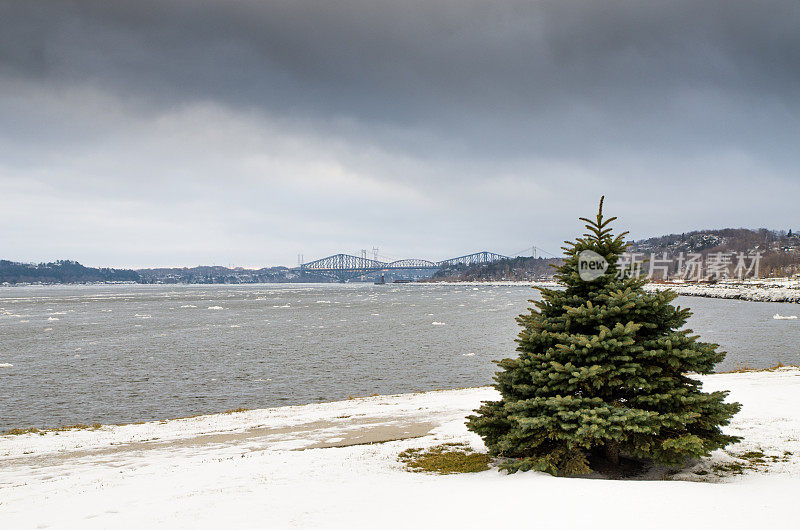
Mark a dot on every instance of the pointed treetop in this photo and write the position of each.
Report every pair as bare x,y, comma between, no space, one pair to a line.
598,226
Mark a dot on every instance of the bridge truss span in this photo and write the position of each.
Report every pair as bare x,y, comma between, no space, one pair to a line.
477,258
344,267
344,262
413,263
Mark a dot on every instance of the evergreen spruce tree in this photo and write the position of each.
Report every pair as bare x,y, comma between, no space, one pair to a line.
603,371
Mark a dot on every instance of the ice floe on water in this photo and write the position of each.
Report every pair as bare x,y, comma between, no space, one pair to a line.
53,318
281,306
6,365
215,307
434,323
470,354
137,315
777,316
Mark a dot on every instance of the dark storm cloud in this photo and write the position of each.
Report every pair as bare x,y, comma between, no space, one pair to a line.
515,74
456,100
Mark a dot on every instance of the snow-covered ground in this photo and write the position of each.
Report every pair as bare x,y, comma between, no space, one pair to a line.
772,290
298,467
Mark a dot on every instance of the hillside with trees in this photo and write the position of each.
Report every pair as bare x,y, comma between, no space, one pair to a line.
779,249
62,271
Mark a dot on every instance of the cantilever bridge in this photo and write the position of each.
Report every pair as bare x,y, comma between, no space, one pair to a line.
345,266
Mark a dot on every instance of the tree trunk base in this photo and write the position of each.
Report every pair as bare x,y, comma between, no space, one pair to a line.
611,453
608,461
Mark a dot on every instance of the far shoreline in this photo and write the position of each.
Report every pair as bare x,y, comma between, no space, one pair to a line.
779,290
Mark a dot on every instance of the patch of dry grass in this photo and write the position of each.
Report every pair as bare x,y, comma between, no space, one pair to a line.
744,368
754,460
17,432
34,430
445,459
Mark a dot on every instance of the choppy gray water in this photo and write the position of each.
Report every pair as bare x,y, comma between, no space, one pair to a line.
125,353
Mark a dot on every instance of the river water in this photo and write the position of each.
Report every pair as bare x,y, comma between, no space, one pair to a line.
126,353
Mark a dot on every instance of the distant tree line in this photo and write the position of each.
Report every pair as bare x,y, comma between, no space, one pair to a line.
513,269
62,271
780,256
217,274
67,271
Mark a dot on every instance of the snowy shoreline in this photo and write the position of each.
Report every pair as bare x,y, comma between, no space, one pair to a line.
767,291
771,290
334,465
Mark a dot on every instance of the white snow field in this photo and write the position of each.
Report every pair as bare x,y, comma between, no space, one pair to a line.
281,468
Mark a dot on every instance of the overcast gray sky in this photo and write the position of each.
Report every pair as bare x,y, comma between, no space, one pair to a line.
141,133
